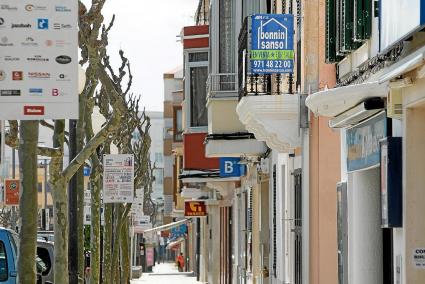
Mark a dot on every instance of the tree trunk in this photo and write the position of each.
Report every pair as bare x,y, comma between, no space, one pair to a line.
60,197
95,225
80,216
107,245
116,246
28,201
80,189
60,206
125,249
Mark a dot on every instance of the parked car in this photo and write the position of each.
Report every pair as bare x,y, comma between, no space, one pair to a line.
46,235
9,254
45,251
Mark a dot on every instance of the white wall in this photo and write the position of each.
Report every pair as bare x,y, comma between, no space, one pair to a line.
157,147
364,227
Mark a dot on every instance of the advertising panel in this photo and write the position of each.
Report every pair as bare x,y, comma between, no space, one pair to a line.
12,191
363,148
38,60
195,209
272,49
118,178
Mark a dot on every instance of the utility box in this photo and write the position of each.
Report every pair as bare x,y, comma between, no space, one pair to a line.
391,182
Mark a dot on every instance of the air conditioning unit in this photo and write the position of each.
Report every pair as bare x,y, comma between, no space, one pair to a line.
358,113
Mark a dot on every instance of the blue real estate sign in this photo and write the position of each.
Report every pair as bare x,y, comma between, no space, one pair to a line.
272,49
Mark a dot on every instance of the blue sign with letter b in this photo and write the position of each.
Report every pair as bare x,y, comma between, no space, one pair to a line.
231,167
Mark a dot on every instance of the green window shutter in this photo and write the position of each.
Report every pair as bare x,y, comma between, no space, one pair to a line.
363,19
348,25
367,16
358,20
330,32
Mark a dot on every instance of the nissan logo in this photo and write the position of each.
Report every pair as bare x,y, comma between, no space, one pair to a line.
63,59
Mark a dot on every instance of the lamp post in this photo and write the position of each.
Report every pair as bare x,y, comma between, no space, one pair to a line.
72,192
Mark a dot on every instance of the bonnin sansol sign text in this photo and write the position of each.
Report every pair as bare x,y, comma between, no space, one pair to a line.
38,59
272,45
195,209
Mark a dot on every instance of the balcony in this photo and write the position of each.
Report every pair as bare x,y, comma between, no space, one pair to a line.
227,136
267,106
222,85
273,119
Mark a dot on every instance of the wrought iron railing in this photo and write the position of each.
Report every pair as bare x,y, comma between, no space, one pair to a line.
223,84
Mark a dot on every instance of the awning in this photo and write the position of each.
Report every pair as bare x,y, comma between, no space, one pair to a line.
199,176
167,226
407,64
332,102
175,243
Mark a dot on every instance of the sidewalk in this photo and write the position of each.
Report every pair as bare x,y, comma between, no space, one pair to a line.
166,272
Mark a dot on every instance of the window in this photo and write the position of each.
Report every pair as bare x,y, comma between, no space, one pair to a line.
40,187
198,56
274,220
158,158
4,274
198,96
348,24
178,124
158,174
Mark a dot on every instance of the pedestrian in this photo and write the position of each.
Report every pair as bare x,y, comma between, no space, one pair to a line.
180,262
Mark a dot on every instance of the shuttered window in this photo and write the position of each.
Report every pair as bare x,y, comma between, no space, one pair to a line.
348,23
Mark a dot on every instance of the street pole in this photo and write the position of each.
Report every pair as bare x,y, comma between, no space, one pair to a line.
13,217
73,203
2,153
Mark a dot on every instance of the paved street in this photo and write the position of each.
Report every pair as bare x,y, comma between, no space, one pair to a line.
165,272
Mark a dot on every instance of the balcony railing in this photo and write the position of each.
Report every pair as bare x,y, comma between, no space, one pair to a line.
222,85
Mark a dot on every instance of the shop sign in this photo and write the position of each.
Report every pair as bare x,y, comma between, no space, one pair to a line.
118,178
179,230
363,148
87,171
231,167
149,257
272,45
142,223
12,191
399,19
32,91
419,258
195,209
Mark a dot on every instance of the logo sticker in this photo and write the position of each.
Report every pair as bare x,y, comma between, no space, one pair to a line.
63,59
33,110
10,93
43,24
17,76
